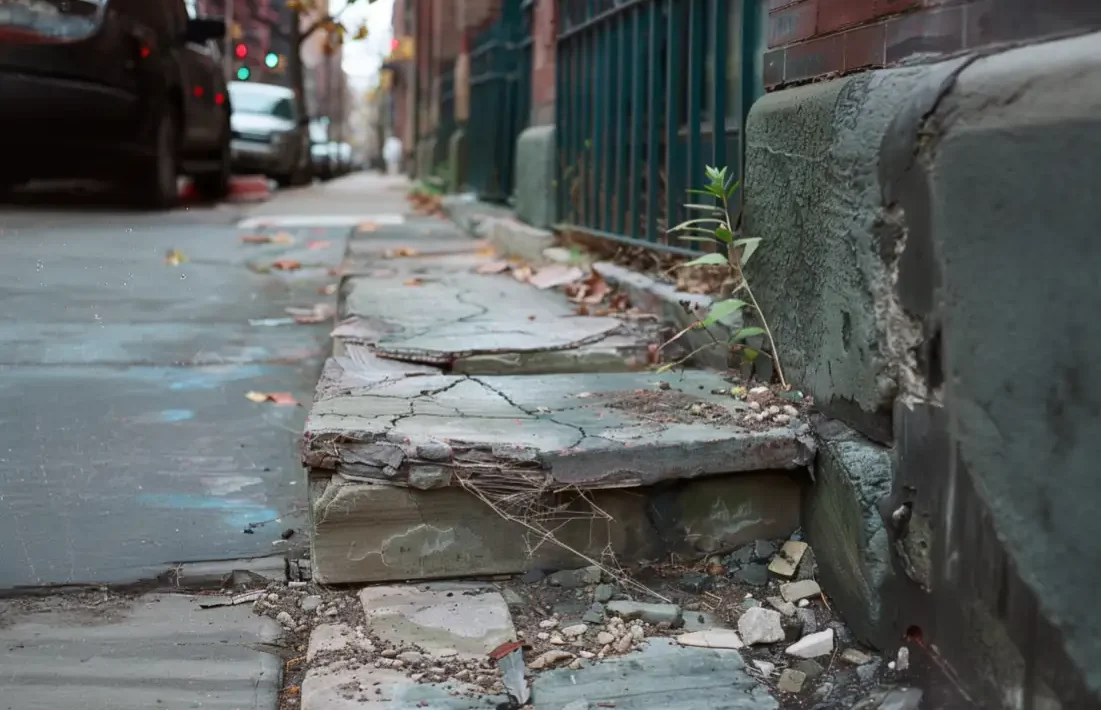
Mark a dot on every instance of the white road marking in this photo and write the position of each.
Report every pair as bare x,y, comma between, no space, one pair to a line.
329,220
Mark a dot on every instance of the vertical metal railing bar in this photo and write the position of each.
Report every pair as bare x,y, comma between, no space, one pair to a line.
588,121
653,123
719,25
697,55
674,163
638,69
607,69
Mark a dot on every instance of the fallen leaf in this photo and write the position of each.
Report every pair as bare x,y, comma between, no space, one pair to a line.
255,238
414,282
531,317
174,257
493,267
597,293
281,399
486,251
522,273
336,271
286,264
582,310
318,313
327,290
366,227
293,690
318,244
555,275
283,238
397,253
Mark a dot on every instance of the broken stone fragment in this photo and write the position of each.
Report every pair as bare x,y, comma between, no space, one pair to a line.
765,667
785,608
650,613
760,625
855,657
812,646
548,623
376,455
550,658
311,602
791,681
786,562
604,638
809,667
624,644
711,638
797,591
604,592
808,620
575,630
429,477
434,451
285,619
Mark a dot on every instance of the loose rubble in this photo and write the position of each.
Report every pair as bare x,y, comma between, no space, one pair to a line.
771,612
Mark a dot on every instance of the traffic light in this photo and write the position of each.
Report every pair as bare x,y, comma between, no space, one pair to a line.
271,60
241,51
243,74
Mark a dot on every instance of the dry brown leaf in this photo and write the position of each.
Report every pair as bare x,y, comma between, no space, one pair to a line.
522,273
255,238
315,244
493,267
286,264
486,251
366,227
414,282
401,252
555,275
282,399
174,257
282,238
597,292
256,397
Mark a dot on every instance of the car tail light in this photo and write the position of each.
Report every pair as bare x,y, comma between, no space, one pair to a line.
198,92
219,98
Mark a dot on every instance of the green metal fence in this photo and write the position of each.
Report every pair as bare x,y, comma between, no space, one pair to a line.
500,100
445,126
648,93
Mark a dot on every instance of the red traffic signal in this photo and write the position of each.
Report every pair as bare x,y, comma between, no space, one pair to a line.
394,44
241,51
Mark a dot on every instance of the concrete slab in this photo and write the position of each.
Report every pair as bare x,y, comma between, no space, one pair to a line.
341,687
159,651
367,532
590,431
443,619
662,676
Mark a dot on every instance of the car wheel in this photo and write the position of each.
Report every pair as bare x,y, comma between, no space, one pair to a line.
157,184
215,185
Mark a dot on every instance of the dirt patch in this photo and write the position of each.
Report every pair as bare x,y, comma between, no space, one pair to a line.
78,608
669,407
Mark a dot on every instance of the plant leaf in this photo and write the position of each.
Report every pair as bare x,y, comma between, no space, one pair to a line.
699,239
705,208
667,367
723,234
721,310
746,333
700,220
750,354
707,260
748,245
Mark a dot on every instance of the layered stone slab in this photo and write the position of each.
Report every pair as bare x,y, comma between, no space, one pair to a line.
585,430
406,467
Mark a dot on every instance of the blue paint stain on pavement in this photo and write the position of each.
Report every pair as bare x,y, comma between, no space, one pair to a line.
176,415
237,513
215,377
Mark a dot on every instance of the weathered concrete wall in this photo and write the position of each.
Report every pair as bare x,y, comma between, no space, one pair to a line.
928,263
535,175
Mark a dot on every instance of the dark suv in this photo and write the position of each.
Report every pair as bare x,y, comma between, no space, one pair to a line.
128,90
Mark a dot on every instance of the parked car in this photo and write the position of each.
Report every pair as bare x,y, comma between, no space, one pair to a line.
125,90
269,136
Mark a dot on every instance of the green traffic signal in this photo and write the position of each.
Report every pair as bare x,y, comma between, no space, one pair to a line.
243,74
271,59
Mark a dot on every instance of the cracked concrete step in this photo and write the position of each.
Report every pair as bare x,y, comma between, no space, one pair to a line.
413,294
416,476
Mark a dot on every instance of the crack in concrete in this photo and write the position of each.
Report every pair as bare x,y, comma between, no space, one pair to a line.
536,414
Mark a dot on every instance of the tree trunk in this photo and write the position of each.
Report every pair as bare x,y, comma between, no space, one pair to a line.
294,65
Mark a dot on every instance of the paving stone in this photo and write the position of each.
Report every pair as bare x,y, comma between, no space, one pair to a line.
344,688
809,668
855,657
663,675
443,619
785,608
803,589
330,638
791,681
754,574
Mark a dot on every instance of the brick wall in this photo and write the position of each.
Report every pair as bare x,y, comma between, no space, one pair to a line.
544,35
808,39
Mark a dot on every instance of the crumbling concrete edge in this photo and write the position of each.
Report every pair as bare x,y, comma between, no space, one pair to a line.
678,309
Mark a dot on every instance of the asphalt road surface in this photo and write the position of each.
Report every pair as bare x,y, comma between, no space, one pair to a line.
127,442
